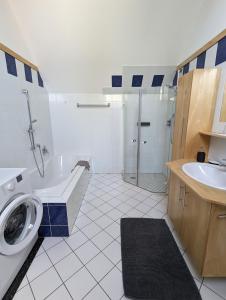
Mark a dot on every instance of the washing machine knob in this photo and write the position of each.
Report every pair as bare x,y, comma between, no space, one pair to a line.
10,186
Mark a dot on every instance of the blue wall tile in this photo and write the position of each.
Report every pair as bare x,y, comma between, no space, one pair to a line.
221,52
59,230
186,69
201,60
45,217
11,64
40,81
137,80
157,80
28,74
175,79
58,215
116,80
44,231
56,204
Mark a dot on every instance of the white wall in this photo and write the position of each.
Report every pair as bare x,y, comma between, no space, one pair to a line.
10,32
14,142
80,43
15,145
88,131
210,22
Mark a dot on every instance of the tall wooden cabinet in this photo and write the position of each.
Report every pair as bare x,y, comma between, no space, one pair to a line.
196,98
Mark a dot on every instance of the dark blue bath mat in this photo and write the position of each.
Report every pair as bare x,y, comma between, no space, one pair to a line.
152,265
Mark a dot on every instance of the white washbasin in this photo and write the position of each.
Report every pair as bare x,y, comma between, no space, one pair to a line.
211,175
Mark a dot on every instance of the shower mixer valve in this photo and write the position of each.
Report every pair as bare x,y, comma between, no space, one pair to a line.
45,150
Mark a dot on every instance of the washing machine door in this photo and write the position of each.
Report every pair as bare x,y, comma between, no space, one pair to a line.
19,223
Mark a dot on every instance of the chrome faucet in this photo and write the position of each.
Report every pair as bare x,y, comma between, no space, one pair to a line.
222,162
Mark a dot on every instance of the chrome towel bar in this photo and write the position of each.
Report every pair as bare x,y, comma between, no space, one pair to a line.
93,105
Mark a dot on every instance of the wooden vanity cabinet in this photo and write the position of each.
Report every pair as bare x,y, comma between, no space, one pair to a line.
175,205
215,258
194,230
201,227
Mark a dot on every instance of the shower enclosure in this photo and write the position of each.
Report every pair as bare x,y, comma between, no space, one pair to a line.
148,127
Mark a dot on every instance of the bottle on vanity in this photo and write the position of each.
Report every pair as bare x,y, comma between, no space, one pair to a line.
201,155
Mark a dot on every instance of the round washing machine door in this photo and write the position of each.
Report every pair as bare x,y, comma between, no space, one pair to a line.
19,223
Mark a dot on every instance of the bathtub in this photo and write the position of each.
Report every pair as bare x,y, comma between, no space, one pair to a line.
61,191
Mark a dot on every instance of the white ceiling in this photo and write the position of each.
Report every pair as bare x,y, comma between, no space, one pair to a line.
79,44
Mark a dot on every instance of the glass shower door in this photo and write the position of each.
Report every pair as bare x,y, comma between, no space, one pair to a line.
148,121
155,132
130,115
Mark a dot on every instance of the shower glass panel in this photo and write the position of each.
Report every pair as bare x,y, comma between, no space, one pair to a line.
130,115
148,121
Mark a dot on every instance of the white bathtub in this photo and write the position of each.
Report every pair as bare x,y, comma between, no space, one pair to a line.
63,185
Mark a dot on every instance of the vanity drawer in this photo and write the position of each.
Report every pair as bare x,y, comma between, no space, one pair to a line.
215,262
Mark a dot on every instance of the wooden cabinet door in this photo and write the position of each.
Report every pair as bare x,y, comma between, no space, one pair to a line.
181,115
215,261
194,232
175,207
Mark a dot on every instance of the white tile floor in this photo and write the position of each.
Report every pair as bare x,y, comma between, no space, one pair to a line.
87,265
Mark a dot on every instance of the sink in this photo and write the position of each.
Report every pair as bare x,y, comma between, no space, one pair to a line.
211,175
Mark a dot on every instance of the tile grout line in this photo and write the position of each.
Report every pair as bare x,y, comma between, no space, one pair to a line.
59,277
84,266
114,239
203,284
89,239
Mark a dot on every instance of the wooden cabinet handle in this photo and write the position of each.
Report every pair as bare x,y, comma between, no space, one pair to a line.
182,132
222,216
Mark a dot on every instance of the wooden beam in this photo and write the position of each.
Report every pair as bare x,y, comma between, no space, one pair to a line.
202,49
17,56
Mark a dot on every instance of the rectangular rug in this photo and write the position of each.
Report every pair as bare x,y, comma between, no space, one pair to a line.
152,265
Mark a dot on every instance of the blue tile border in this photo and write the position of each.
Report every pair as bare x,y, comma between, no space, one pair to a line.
11,68
58,215
40,81
45,217
44,231
201,59
200,64
54,221
175,79
11,64
221,52
137,80
157,80
28,74
116,80
59,231
186,69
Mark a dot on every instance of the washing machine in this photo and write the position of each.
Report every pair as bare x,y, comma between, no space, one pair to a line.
20,218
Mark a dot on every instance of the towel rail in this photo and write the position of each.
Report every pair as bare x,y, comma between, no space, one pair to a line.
93,105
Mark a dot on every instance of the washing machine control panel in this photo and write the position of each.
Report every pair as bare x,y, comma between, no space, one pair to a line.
11,185
14,181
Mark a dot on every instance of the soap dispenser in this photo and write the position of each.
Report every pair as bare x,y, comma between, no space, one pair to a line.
201,155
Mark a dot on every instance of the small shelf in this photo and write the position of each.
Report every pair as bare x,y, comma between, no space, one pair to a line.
213,134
